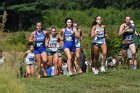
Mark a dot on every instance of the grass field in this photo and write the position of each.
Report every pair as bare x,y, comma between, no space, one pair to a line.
114,81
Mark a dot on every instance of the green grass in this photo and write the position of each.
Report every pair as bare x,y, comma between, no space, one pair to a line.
114,81
8,81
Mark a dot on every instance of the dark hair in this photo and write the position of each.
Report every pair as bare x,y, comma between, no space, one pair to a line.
68,18
125,18
29,44
41,25
94,22
75,22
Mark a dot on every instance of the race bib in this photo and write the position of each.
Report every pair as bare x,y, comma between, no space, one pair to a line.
129,37
68,38
31,59
52,44
100,36
76,41
39,44
130,30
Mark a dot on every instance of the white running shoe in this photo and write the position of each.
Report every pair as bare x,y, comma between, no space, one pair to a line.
134,67
70,73
103,69
95,71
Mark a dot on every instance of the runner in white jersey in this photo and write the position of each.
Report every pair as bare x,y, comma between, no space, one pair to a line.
29,60
52,49
78,47
98,35
60,51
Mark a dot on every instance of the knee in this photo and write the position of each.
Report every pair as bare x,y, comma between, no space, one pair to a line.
104,54
44,59
96,57
55,62
69,58
77,58
133,54
28,71
50,63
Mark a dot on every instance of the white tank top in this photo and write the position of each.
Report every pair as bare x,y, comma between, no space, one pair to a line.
77,41
99,38
30,58
53,42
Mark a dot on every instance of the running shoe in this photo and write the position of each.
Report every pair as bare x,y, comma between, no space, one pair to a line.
103,69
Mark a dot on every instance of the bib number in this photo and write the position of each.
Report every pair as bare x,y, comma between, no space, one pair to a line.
99,37
31,59
129,37
39,44
68,38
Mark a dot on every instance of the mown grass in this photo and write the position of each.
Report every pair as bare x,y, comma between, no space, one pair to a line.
114,81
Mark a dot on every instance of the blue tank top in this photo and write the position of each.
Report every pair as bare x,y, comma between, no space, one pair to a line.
129,34
40,39
68,36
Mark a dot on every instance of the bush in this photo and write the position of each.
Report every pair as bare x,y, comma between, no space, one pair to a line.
17,38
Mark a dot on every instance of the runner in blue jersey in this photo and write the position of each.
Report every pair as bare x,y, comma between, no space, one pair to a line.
78,47
127,31
69,43
98,35
52,42
38,37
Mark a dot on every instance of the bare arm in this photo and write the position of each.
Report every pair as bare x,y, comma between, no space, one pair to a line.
93,32
60,34
47,33
32,38
75,33
122,29
136,33
80,33
106,35
47,42
25,54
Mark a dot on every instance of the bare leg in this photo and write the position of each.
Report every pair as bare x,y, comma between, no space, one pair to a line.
44,59
78,60
69,59
104,53
38,59
55,60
